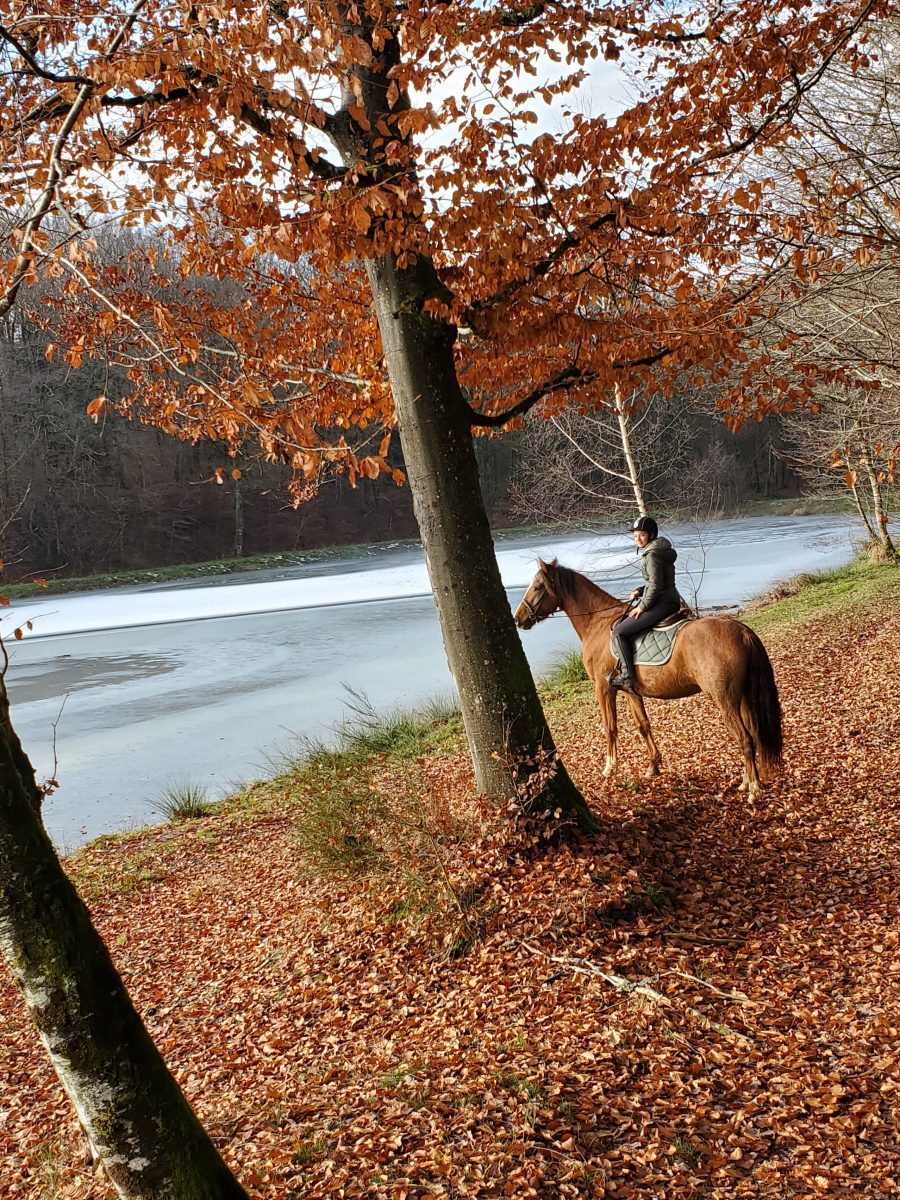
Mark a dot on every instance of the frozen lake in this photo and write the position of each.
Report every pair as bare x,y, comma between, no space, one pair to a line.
210,681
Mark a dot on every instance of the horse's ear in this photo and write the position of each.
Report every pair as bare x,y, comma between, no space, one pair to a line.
542,566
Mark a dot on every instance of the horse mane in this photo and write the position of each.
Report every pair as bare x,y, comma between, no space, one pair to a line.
566,581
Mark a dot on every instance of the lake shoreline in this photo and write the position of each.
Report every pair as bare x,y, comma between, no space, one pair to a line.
153,682
152,577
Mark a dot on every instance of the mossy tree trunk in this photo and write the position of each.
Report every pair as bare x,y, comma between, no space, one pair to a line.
138,1122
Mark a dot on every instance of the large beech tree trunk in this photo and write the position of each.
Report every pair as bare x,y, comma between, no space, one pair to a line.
510,742
135,1116
511,745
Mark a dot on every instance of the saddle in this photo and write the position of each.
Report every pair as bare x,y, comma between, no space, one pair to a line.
653,647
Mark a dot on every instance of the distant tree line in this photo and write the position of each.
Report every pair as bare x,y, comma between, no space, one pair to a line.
80,497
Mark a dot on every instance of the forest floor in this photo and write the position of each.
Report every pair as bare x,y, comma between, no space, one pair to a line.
369,985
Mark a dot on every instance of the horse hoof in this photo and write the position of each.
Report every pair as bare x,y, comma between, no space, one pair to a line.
651,772
754,793
609,769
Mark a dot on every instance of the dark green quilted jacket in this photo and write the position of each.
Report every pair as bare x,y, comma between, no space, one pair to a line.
658,568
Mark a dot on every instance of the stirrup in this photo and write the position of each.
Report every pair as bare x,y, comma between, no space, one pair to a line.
621,683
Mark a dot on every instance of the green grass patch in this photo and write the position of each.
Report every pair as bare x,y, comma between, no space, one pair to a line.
121,876
822,594
825,504
309,1150
520,1084
566,672
685,1150
398,734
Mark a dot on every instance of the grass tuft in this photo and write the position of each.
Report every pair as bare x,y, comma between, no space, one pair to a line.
184,801
686,1151
567,671
398,733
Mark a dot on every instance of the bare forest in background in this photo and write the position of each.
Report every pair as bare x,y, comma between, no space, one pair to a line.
80,498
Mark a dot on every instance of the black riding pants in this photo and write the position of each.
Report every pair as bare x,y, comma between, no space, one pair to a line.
630,627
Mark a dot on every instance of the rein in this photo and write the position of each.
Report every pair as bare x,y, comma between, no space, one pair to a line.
590,612
621,606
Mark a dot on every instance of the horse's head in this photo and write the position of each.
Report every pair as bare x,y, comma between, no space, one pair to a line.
542,598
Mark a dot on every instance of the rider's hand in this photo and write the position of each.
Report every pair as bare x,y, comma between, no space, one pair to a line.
634,595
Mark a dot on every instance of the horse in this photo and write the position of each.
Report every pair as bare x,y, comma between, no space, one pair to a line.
718,656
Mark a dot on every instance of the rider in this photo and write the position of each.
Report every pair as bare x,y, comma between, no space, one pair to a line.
655,601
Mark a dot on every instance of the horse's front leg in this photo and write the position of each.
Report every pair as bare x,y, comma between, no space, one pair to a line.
643,724
606,699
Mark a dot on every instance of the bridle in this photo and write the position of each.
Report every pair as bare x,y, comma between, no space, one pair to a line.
531,609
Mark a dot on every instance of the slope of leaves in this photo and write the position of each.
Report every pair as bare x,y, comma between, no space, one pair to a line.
700,1001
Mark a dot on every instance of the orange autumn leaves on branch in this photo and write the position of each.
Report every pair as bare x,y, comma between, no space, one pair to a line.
263,152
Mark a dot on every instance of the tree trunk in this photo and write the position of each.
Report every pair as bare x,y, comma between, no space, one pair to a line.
857,499
511,745
238,519
633,472
512,749
881,520
136,1118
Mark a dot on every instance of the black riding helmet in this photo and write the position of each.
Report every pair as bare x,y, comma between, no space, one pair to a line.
646,525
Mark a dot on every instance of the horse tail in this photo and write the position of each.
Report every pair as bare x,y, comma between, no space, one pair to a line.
761,705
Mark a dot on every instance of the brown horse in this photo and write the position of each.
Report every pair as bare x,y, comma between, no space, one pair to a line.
718,656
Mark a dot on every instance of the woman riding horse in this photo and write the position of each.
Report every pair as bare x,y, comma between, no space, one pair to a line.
656,600
718,656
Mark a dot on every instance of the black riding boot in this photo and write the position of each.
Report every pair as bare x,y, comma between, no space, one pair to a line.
624,650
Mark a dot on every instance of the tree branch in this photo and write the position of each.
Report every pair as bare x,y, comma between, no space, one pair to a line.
540,268
561,382
56,172
788,107
35,66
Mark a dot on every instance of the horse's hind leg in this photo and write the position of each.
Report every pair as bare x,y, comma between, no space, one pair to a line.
731,713
643,723
606,699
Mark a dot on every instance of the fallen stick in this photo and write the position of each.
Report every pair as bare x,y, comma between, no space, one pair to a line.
628,987
698,939
734,997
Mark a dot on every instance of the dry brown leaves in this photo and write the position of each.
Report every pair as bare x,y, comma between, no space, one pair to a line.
333,1050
